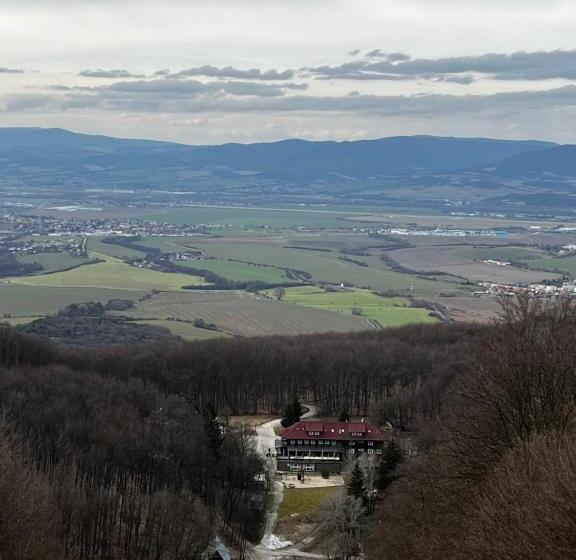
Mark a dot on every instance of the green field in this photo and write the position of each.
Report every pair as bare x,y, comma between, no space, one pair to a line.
297,501
111,274
36,301
244,314
95,245
387,312
563,265
326,267
510,254
238,270
276,218
52,262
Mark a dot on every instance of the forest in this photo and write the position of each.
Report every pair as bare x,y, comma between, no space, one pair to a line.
127,452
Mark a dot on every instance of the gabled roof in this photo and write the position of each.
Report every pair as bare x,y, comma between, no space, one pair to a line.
341,431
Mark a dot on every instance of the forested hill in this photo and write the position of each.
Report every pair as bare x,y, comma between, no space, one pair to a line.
114,454
127,452
59,157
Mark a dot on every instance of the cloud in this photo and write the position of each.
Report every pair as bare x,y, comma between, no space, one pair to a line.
231,72
99,73
190,96
532,66
10,70
179,88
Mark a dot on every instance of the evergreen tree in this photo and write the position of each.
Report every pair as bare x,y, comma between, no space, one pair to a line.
357,483
391,458
344,416
213,430
292,413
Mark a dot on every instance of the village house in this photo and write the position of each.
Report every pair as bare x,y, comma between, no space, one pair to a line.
326,446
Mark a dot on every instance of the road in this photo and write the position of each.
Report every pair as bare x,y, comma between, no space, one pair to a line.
271,546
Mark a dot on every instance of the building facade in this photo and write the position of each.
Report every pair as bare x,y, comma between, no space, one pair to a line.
326,446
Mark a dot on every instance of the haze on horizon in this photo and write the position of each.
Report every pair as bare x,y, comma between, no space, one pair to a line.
204,72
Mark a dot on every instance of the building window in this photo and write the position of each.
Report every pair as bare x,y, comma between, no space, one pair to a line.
312,442
370,443
293,467
370,451
320,442
351,451
316,433
352,442
333,443
306,442
309,468
299,442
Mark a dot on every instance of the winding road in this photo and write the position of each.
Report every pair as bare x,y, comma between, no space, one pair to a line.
272,546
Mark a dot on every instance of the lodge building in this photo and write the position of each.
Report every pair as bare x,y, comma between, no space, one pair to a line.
326,446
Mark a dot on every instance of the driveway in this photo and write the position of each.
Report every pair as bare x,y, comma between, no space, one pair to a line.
272,546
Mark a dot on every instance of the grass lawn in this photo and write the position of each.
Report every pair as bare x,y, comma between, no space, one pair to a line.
112,274
305,500
387,312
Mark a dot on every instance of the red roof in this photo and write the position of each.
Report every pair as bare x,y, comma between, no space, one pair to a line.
334,431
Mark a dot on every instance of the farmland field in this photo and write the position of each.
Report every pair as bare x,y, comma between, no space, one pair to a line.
327,267
239,270
562,265
95,245
387,312
111,274
25,301
241,313
52,262
187,331
447,260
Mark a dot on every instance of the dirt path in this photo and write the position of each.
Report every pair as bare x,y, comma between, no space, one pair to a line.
272,546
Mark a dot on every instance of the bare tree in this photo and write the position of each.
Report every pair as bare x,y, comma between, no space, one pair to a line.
342,519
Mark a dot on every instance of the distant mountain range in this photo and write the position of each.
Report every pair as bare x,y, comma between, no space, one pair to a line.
57,158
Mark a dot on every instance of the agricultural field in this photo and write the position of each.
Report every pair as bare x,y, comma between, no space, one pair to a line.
384,312
110,274
451,260
95,245
502,253
17,300
53,262
258,218
561,265
244,314
239,271
184,330
328,267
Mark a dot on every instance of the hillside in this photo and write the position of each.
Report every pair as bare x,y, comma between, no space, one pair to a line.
440,173
26,153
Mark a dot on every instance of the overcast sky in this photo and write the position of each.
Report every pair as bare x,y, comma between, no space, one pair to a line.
214,71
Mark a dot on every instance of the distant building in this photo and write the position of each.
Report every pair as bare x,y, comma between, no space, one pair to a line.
325,446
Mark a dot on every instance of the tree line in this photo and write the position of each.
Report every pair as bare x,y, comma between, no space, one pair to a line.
500,480
102,468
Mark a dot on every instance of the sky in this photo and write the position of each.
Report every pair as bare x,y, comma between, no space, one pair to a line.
216,71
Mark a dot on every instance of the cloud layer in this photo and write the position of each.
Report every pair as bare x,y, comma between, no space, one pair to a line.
531,66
